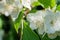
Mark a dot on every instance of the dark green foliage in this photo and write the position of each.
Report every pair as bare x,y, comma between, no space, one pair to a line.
28,34
8,27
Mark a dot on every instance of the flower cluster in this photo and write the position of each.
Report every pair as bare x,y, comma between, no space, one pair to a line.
13,7
45,21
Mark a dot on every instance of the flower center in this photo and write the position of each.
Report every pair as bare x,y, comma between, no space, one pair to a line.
52,23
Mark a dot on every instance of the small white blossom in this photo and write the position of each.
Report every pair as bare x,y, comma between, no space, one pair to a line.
45,22
10,7
2,5
13,7
37,21
48,24
26,3
52,25
33,26
10,2
57,21
31,17
15,12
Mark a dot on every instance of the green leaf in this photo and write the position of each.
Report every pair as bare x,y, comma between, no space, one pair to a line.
28,34
1,22
53,3
18,20
48,3
47,38
58,8
35,4
33,10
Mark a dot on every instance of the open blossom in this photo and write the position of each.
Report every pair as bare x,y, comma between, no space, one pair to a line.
13,7
20,3
57,21
2,4
37,21
45,22
10,8
54,21
48,24
52,25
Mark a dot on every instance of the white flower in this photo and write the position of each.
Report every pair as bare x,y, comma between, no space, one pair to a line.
31,18
10,7
11,10
26,3
32,25
10,2
37,20
57,21
13,7
14,13
52,23
49,22
45,22
18,4
2,5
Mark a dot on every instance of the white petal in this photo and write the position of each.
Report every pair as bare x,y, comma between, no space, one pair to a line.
48,24
57,25
7,14
32,26
10,1
52,36
31,17
41,30
26,3
36,19
3,1
2,6
14,13
57,21
8,9
17,3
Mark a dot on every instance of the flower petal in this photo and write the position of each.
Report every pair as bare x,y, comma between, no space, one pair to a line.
48,24
26,3
41,30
